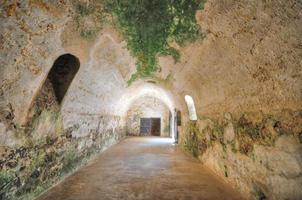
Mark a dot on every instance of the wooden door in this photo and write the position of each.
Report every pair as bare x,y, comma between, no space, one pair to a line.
150,126
145,126
155,129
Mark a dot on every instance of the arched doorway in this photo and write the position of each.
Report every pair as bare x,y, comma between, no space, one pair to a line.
62,74
55,86
148,116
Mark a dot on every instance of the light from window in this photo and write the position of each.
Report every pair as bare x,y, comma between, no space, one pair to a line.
191,107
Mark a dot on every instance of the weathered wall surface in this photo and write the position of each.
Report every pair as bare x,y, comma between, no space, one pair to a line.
250,59
248,65
49,152
260,156
245,78
30,42
147,107
40,154
59,138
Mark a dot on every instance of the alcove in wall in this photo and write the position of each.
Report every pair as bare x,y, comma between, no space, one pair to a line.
55,86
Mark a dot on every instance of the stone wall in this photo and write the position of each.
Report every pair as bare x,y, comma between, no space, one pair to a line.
36,156
250,59
147,107
41,140
39,158
30,43
260,155
249,64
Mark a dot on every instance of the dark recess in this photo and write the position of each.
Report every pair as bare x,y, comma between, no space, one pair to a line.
62,74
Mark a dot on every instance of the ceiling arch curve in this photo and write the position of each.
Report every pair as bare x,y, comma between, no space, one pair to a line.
139,90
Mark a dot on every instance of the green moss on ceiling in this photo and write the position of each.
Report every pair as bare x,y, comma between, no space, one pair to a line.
150,26
89,17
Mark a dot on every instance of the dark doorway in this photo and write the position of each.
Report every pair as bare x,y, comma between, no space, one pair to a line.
177,122
62,74
150,126
55,86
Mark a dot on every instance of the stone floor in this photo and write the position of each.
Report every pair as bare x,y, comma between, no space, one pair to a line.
146,168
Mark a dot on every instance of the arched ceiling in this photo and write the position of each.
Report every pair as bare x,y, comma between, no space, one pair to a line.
141,89
249,60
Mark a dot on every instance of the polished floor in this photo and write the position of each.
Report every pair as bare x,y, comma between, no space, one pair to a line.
145,168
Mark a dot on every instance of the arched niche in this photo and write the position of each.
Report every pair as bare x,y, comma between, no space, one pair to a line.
55,86
191,108
62,74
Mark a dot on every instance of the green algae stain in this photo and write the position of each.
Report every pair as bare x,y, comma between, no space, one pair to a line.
150,26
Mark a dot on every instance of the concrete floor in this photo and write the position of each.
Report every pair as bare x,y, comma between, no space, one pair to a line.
146,168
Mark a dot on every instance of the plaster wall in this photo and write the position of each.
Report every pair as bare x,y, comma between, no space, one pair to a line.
147,107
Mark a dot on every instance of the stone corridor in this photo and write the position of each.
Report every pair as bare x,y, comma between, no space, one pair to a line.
83,81
142,168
